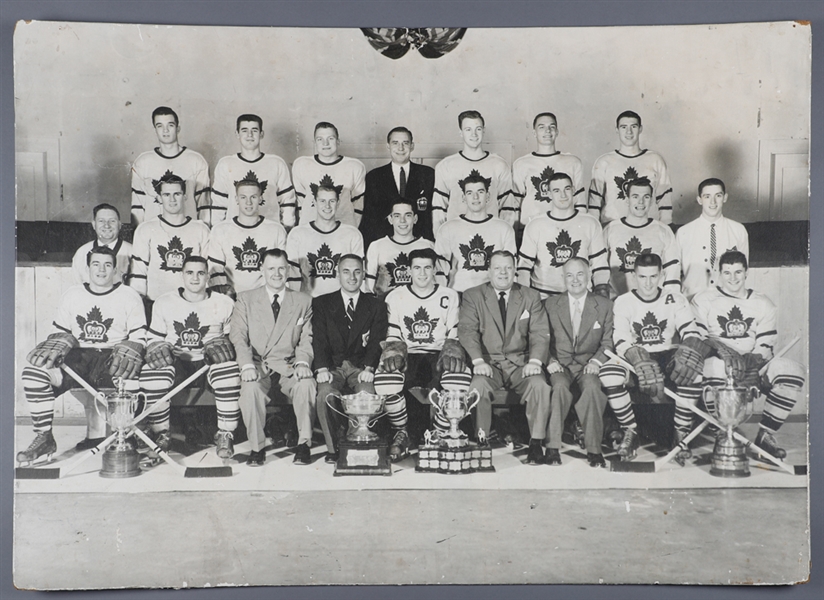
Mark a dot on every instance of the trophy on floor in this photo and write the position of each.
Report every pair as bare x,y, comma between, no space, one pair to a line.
120,459
362,451
731,405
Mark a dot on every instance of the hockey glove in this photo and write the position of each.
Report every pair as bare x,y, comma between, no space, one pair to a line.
753,363
51,352
159,354
383,281
687,364
226,290
126,360
733,361
393,358
602,289
650,378
218,350
452,358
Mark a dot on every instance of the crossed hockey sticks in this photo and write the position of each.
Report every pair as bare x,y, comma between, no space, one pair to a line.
792,470
56,473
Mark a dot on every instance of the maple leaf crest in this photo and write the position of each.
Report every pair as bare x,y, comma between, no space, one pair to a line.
420,328
629,175
156,184
323,264
630,252
189,333
649,331
248,255
173,256
326,182
399,272
541,185
474,173
476,254
734,325
562,249
94,328
252,176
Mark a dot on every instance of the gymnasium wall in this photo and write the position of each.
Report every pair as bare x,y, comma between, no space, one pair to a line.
710,97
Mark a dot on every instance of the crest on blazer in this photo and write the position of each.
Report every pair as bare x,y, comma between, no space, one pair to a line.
631,250
248,255
476,254
650,331
156,182
420,328
629,175
323,264
541,184
252,176
189,333
173,256
93,327
734,325
562,249
399,270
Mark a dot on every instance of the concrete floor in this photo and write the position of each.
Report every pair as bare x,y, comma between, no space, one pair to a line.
193,539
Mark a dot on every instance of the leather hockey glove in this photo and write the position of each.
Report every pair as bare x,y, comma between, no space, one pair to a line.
159,354
126,359
452,358
394,356
602,289
219,350
732,359
51,352
753,363
650,378
687,364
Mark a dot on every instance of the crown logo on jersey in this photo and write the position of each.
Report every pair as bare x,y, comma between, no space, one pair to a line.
562,249
323,263
326,182
399,270
630,252
541,185
649,330
734,325
420,328
248,255
189,333
173,256
475,173
252,176
476,254
629,175
156,184
94,328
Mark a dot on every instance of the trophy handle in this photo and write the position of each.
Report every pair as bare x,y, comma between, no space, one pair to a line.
707,388
477,399
433,395
329,404
374,419
100,399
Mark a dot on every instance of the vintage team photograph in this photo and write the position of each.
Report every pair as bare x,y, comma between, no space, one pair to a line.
301,306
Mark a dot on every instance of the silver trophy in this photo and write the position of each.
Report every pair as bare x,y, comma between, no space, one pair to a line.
121,459
362,411
454,405
731,405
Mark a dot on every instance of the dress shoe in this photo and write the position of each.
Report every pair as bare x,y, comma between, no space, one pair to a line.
331,457
596,460
535,456
256,458
553,456
302,454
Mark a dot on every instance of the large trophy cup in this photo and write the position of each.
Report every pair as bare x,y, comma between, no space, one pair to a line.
120,459
731,405
453,452
362,452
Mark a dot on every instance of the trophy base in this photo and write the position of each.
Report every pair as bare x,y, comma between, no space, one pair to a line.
470,458
120,464
363,458
729,459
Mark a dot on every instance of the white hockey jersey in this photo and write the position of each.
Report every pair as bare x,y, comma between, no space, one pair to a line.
235,252
423,323
346,174
530,182
80,269
150,166
626,242
314,256
655,325
609,173
387,264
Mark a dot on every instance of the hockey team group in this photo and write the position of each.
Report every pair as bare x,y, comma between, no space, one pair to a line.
327,279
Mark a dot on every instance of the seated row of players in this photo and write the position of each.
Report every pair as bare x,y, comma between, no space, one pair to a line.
517,195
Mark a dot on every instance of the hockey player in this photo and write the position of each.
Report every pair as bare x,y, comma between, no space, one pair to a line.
161,245
551,240
270,171
236,246
169,158
704,240
106,225
656,333
332,170
607,198
387,259
740,325
467,242
531,173
421,344
446,202
317,246
637,233
99,331
189,326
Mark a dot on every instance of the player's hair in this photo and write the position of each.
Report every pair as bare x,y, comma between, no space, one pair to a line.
637,182
470,114
628,114
249,182
543,114
194,258
577,259
329,188
505,253
274,253
709,182
351,256
248,117
405,202
648,260
104,206
104,250
475,177
326,125
426,253
398,130
164,110
732,257
558,176
170,178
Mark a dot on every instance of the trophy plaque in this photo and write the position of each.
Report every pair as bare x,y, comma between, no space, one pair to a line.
452,452
120,459
362,452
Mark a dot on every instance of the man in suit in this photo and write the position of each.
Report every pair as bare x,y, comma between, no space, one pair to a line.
400,179
347,328
504,328
580,327
271,330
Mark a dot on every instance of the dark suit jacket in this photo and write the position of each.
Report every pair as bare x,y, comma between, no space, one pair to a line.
382,193
483,335
333,341
594,334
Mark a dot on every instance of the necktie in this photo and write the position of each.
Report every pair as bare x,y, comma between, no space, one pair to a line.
576,319
502,306
350,312
712,246
275,307
402,184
